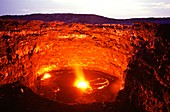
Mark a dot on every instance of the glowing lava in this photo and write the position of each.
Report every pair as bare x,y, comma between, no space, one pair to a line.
80,81
82,84
46,76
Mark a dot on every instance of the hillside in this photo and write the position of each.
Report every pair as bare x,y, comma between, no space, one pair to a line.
84,18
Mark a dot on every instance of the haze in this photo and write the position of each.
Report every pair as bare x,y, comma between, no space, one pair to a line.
108,8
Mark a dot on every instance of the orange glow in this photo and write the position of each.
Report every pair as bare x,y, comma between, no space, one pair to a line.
80,79
46,76
99,83
45,69
82,84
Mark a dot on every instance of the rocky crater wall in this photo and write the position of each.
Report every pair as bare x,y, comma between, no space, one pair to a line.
30,48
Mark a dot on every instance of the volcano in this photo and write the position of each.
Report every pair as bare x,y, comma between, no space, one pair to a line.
126,66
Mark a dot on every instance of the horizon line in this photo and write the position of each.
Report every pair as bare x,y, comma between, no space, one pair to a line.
29,14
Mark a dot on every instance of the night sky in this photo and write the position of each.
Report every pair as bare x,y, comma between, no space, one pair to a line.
107,8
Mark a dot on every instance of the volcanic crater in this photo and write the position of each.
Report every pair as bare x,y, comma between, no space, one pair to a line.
126,66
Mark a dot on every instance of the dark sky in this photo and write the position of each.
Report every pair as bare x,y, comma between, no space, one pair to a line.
107,8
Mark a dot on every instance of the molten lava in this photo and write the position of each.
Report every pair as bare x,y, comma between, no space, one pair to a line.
46,76
80,81
82,84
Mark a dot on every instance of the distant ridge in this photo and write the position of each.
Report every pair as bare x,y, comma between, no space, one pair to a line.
84,18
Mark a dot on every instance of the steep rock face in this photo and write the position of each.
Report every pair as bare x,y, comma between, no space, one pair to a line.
36,47
147,81
138,52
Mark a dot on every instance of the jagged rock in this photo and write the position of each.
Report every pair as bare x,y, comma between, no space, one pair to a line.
138,55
